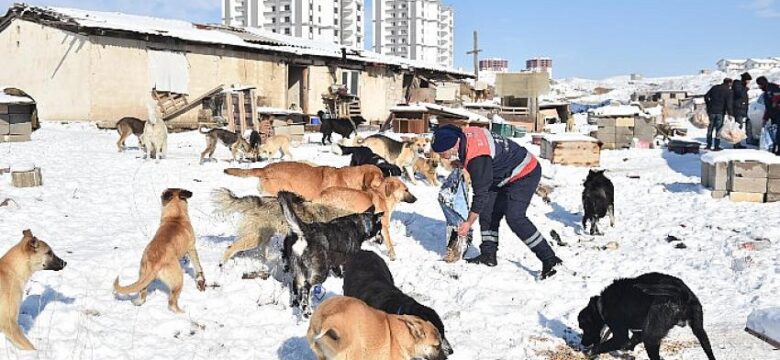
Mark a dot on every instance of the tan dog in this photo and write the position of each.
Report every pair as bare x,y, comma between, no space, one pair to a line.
127,126
401,153
345,328
174,239
384,198
262,218
308,181
233,141
16,267
427,167
274,145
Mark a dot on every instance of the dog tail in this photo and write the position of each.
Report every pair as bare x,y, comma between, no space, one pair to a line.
200,130
697,325
347,150
286,200
244,172
226,202
137,286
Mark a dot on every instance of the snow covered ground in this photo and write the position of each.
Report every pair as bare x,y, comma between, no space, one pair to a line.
98,208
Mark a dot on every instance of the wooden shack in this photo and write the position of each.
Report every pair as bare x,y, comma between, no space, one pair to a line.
17,114
417,118
571,149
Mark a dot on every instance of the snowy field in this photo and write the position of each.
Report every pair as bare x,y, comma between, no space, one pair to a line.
98,208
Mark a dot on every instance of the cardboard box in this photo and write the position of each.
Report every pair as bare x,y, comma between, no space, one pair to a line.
773,171
20,129
20,109
719,194
606,129
772,197
15,138
773,186
748,185
624,122
605,122
746,197
3,109
622,131
748,169
19,118
625,139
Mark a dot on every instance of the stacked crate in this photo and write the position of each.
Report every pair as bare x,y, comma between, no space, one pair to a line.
747,181
773,183
742,180
618,132
16,122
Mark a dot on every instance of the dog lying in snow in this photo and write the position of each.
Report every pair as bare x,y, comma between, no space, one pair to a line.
311,250
367,277
598,200
648,306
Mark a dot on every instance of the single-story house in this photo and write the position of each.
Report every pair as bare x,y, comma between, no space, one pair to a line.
100,66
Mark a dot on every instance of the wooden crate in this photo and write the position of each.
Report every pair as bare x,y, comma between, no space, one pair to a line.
410,126
737,196
29,178
571,152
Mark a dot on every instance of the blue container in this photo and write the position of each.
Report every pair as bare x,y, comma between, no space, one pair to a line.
314,120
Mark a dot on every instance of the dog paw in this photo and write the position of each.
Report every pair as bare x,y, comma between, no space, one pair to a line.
202,284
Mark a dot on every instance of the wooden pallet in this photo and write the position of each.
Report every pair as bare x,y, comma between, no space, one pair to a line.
174,104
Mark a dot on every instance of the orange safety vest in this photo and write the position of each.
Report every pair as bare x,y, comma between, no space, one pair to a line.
480,142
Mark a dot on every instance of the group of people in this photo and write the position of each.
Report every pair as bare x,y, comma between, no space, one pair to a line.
730,98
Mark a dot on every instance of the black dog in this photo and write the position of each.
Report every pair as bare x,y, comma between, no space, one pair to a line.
312,250
648,306
344,127
367,277
362,155
598,199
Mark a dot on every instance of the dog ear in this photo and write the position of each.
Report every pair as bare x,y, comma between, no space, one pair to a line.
372,180
27,234
415,325
185,194
390,187
166,196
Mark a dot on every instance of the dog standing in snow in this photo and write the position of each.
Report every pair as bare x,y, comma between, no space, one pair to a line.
598,200
174,239
16,267
155,135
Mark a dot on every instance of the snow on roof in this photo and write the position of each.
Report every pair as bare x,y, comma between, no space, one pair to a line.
484,104
251,38
740,155
763,61
735,61
616,110
568,137
428,106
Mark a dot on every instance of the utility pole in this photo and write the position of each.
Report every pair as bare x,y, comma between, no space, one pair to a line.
476,50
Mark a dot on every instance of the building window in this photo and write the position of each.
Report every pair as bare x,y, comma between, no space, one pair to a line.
287,31
311,18
286,19
287,8
335,21
273,30
273,20
336,32
359,7
335,10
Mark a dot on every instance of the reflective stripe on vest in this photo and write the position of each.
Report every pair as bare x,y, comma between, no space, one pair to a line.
479,142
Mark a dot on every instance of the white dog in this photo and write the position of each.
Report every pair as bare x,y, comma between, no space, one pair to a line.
155,136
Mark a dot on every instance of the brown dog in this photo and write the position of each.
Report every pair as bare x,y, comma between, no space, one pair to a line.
346,328
16,267
308,181
275,144
174,239
127,126
401,153
384,198
234,142
427,167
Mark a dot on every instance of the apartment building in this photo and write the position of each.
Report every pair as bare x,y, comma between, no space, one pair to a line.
494,64
338,21
539,64
415,29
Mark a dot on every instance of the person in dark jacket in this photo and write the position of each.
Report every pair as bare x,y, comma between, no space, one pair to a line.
504,178
772,107
741,102
719,101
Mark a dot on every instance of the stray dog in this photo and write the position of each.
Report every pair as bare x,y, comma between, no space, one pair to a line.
174,239
307,180
367,277
344,127
648,306
16,267
274,145
383,198
155,135
231,140
362,155
427,167
311,250
401,153
262,218
126,126
598,199
347,328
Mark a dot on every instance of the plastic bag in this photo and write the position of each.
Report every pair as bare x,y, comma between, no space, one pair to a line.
731,132
700,119
767,140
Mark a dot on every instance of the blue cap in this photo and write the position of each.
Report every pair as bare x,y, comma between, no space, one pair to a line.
445,137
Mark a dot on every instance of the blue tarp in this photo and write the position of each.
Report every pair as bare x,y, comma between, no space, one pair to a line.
577,108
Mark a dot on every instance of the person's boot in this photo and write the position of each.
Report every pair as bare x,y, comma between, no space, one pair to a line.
487,254
548,267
